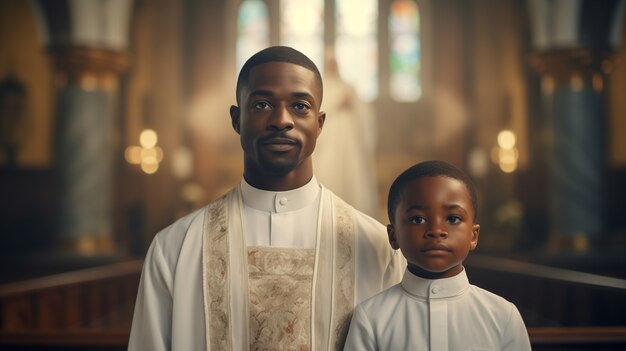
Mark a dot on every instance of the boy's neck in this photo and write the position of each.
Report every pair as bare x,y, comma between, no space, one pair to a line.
422,273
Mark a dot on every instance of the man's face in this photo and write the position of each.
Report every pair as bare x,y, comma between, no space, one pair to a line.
434,226
279,119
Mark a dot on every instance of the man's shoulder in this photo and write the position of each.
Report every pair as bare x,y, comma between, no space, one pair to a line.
361,218
189,221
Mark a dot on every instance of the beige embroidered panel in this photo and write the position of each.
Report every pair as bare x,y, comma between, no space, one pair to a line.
217,298
344,272
280,298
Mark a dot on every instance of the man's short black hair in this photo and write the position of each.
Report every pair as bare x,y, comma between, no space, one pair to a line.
276,54
428,169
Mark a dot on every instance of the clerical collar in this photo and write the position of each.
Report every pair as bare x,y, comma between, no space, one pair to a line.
434,288
280,201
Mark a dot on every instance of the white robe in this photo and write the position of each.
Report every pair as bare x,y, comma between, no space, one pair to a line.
171,302
437,315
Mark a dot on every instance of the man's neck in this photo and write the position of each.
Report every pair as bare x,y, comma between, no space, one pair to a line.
278,181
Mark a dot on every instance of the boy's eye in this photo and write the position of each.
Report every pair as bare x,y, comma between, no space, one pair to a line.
454,219
417,220
261,105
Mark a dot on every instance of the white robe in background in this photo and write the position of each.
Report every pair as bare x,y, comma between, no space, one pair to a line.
171,307
345,155
437,315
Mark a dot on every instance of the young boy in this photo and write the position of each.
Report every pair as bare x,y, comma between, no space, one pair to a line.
432,208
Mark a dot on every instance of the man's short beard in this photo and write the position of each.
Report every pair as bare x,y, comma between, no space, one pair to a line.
278,169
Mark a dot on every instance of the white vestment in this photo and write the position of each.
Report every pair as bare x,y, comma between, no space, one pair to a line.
437,315
196,270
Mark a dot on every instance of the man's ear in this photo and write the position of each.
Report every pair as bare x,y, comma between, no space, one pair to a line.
391,234
321,118
475,233
234,117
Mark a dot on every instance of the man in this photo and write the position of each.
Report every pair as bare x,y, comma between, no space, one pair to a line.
279,262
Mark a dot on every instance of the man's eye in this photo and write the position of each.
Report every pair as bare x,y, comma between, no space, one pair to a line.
301,106
261,105
454,219
417,220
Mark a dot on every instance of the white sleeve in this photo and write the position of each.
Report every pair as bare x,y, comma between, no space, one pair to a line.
360,336
395,270
152,320
515,337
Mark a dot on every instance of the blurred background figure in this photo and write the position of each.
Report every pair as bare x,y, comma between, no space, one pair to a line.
346,153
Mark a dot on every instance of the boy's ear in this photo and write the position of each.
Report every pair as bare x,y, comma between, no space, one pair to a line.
475,233
391,234
234,118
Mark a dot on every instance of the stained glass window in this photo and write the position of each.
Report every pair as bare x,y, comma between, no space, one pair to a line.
302,27
356,45
252,30
405,63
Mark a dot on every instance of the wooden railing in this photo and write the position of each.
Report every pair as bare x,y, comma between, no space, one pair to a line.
91,307
552,297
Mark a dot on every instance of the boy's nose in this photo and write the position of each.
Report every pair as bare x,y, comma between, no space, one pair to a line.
435,232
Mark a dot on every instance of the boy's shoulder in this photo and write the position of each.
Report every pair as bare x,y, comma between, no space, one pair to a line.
490,302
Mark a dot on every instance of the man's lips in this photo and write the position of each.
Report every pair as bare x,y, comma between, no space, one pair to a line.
279,143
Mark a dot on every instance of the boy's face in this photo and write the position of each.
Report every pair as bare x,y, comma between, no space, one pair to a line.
434,226
279,119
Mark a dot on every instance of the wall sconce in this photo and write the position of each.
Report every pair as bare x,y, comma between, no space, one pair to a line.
147,154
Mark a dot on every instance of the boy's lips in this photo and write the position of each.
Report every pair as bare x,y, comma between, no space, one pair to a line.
436,248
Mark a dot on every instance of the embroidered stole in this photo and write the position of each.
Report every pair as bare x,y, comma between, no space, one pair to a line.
227,278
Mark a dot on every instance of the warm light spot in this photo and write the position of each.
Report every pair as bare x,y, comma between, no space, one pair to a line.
148,138
508,155
506,139
597,82
149,168
132,154
508,167
576,82
159,154
149,156
507,159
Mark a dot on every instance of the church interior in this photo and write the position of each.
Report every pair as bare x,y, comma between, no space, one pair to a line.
114,123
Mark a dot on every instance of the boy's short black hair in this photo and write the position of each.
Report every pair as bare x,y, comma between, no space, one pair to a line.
428,169
276,54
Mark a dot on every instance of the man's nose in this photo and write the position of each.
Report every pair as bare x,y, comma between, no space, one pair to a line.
281,119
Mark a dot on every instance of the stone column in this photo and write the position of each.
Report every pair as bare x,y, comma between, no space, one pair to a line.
573,43
86,41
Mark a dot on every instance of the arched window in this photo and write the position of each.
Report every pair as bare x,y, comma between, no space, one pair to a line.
252,30
356,44
302,27
405,53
